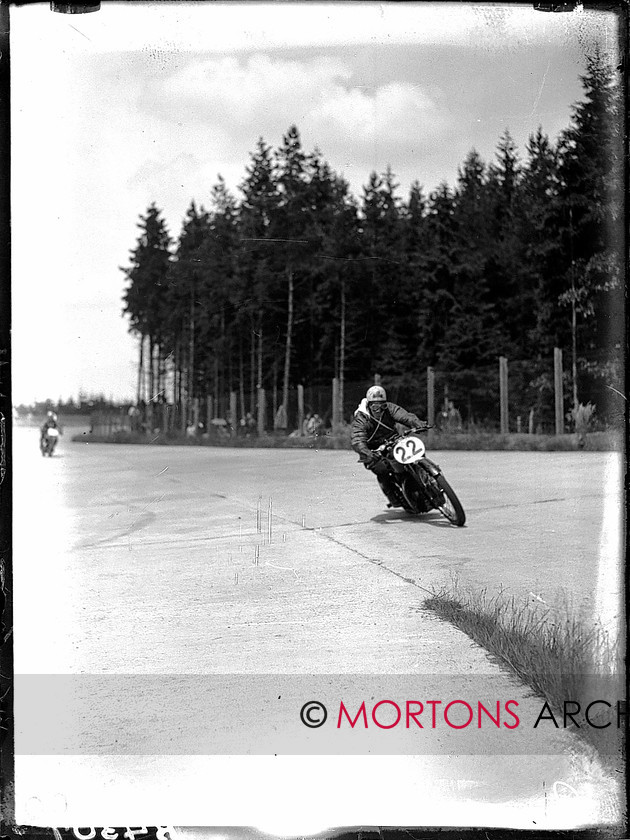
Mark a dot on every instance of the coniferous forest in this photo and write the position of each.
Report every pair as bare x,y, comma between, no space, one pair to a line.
297,281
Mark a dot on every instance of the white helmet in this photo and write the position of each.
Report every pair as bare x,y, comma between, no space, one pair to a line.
376,394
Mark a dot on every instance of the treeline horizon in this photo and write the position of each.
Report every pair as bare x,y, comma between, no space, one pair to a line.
84,404
298,281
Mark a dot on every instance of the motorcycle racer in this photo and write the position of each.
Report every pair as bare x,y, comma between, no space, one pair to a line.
49,423
374,421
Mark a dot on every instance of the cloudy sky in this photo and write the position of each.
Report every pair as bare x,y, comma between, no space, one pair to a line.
150,101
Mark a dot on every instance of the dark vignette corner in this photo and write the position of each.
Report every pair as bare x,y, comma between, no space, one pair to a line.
6,575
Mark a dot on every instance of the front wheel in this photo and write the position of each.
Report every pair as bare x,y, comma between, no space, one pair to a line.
451,508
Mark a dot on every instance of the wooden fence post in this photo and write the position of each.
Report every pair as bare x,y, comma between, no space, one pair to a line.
209,411
503,394
335,404
430,398
262,407
559,396
233,419
300,397
183,415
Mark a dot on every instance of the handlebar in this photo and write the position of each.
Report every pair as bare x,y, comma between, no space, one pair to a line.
397,436
380,449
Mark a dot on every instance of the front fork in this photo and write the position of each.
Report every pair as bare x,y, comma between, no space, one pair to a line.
430,467
422,470
423,465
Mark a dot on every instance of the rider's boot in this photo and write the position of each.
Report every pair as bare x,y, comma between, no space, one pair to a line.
391,491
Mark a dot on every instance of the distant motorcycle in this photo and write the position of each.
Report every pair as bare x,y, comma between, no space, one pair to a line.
48,442
420,481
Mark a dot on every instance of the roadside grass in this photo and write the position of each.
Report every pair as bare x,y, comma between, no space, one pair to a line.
561,657
487,441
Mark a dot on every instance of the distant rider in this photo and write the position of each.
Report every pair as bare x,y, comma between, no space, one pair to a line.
49,423
374,422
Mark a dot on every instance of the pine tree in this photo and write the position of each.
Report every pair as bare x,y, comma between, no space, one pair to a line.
541,249
438,293
381,246
220,295
506,272
256,262
184,309
145,296
292,223
330,315
474,337
592,229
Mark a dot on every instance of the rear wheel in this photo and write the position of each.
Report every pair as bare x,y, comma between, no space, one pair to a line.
450,507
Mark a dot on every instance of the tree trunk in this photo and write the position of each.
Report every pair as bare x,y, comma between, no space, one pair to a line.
241,379
157,378
342,346
159,415
140,370
274,393
217,403
573,315
252,370
227,352
183,419
158,371
149,371
151,374
260,347
223,367
287,350
574,347
178,374
191,349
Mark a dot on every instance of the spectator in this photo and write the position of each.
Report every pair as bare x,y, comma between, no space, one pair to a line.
315,425
453,418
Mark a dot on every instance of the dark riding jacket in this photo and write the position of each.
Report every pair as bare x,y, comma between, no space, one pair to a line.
368,433
48,424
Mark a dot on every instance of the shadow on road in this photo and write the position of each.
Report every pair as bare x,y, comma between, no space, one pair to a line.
432,518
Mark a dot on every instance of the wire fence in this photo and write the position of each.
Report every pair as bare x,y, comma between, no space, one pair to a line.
533,397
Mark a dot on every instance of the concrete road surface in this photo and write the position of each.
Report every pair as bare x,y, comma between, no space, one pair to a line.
142,560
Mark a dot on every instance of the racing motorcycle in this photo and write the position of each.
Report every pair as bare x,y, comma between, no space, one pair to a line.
420,481
48,442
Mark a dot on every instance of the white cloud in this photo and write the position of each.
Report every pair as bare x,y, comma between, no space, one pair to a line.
231,95
240,93
396,108
153,172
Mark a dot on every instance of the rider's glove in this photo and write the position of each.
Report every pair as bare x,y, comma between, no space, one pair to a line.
369,458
